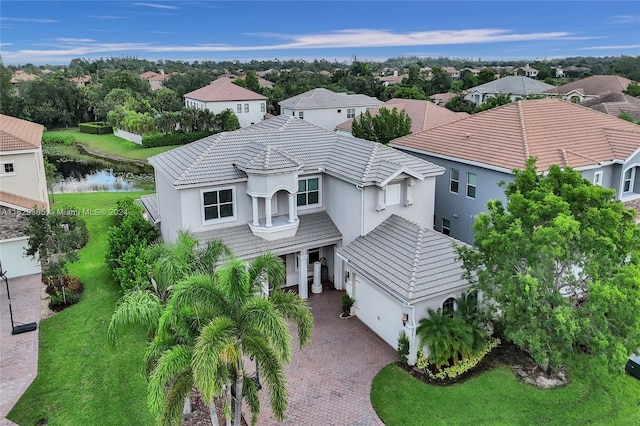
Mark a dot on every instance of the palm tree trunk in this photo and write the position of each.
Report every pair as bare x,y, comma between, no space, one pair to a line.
213,413
237,420
229,402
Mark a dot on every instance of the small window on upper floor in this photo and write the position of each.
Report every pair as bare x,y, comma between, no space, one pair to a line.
471,185
301,114
263,107
246,107
217,205
308,192
351,112
239,108
448,307
597,178
8,168
454,180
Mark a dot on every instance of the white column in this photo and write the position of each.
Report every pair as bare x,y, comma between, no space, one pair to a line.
338,277
316,287
303,284
381,201
292,208
254,205
409,195
267,210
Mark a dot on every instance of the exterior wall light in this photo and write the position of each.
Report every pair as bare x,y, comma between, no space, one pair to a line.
405,318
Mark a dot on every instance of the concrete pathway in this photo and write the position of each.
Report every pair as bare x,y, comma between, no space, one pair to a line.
329,381
18,353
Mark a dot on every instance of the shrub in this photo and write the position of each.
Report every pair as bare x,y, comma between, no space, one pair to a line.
52,138
458,369
64,293
96,128
403,348
347,303
175,138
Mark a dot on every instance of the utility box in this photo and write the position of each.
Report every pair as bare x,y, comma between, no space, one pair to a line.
633,366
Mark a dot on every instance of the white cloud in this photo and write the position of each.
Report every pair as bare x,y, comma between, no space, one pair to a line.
155,5
36,20
628,46
623,19
75,40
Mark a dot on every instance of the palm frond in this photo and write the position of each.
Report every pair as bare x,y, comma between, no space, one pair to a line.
200,292
139,308
297,310
271,267
174,361
153,352
208,258
261,318
250,394
234,280
179,389
215,350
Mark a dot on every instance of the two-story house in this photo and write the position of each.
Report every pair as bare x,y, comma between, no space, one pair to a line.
325,108
23,187
480,151
516,87
328,204
250,107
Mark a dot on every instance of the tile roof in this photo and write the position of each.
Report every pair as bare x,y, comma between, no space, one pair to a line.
406,259
594,85
615,104
216,158
271,159
223,89
323,98
147,75
150,204
314,230
554,131
424,114
17,134
514,85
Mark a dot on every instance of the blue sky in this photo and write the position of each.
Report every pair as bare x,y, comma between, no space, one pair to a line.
54,32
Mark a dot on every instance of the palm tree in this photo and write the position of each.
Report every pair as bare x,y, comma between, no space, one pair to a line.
469,311
233,320
447,337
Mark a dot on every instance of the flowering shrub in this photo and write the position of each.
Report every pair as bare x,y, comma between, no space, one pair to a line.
455,370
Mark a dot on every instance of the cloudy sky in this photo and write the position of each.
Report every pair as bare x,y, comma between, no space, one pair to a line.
54,32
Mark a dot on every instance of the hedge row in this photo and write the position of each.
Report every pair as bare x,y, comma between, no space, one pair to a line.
175,138
96,128
52,138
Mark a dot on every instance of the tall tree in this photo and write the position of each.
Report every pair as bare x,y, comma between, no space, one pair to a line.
561,261
383,127
232,319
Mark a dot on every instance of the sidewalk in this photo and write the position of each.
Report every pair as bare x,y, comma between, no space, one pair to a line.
18,353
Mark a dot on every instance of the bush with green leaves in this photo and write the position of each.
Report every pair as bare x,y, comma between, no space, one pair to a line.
456,370
403,348
347,303
176,138
96,128
55,139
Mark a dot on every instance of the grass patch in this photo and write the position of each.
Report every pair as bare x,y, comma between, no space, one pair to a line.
112,145
594,396
82,380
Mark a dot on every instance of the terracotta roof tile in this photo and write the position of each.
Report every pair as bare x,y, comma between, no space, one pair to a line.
554,131
594,85
17,134
223,89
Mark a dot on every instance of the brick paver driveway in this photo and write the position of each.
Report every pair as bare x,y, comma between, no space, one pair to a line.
329,381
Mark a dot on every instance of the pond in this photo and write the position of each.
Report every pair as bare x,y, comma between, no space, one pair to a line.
99,176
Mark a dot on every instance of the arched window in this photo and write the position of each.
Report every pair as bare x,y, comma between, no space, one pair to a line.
448,307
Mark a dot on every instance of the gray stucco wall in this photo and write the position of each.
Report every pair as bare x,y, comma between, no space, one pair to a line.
169,207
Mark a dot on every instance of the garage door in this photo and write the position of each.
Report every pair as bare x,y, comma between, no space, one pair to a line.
378,311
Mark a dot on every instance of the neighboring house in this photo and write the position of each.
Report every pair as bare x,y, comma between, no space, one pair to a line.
250,107
528,71
453,73
590,88
571,71
516,87
81,80
316,199
616,104
442,98
325,108
424,114
474,71
392,79
156,80
480,151
22,188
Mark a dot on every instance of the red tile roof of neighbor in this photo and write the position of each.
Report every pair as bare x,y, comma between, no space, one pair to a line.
554,131
223,89
17,134
147,75
424,114
594,85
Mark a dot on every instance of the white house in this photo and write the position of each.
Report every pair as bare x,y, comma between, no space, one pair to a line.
516,87
325,108
250,107
317,199
23,187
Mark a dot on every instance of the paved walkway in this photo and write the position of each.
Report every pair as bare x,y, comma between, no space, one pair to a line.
18,353
329,381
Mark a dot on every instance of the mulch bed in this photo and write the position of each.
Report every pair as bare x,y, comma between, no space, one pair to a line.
200,412
72,284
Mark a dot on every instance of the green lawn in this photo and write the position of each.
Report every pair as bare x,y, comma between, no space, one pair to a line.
497,398
81,379
112,145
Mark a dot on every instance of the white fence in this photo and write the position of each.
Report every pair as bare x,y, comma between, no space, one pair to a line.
133,137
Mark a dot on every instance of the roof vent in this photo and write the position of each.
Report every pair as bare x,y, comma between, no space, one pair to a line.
468,135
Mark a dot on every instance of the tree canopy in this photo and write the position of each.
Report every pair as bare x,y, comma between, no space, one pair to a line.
560,265
383,127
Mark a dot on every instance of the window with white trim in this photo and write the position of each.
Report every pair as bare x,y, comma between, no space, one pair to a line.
308,192
351,112
246,107
446,226
454,180
392,195
597,178
8,168
627,183
301,115
448,307
239,108
217,205
263,107
471,185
